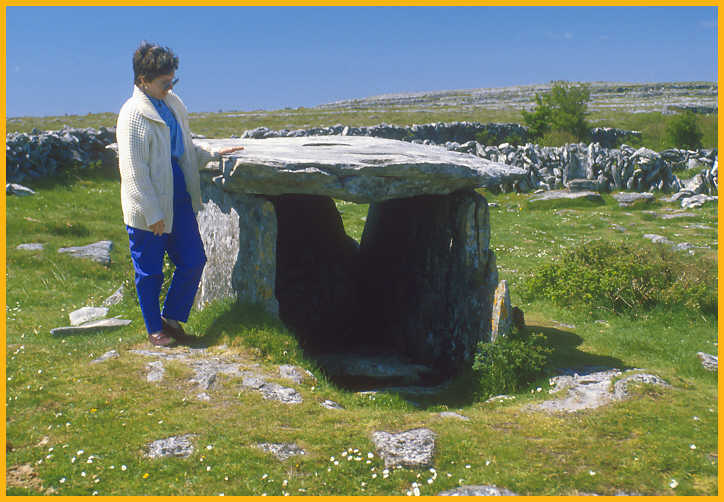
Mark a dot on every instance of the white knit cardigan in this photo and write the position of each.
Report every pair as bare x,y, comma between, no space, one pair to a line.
144,159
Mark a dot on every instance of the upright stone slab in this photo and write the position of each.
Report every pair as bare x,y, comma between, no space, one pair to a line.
239,234
427,277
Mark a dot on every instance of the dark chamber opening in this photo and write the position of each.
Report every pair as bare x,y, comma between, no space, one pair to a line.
405,291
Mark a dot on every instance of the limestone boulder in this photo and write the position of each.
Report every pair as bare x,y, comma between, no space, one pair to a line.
355,168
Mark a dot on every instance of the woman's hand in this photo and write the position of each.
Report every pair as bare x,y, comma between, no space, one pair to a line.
157,228
232,149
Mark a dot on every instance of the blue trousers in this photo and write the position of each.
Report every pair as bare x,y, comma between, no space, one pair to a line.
186,251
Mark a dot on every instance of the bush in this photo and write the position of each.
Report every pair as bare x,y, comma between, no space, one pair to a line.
486,138
682,131
622,277
564,108
509,364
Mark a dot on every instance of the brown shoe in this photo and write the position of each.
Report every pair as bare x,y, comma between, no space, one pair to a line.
178,334
160,339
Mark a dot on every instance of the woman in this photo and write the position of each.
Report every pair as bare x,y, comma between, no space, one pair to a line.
161,192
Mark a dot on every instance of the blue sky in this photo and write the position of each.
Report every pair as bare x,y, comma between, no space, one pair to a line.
77,60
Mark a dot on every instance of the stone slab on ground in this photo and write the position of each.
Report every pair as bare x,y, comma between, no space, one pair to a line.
355,168
294,373
100,325
331,405
156,371
175,446
111,354
590,387
697,201
98,251
413,448
114,299
478,491
272,391
708,361
206,371
382,368
31,246
282,451
565,195
452,414
17,189
87,314
627,199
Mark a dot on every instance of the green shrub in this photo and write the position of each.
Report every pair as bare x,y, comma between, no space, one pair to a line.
509,364
683,131
564,108
557,138
622,277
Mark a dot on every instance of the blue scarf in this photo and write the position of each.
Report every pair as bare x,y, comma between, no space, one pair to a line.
177,141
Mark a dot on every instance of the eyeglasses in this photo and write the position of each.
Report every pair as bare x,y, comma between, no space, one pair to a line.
170,84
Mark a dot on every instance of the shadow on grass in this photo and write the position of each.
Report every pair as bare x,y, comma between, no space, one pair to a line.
565,355
69,175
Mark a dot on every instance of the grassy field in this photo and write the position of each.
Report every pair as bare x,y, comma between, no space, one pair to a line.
224,124
81,429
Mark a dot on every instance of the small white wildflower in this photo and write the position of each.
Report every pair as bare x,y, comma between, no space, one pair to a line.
344,453
416,491
374,476
82,473
265,476
209,447
467,466
408,493
487,463
80,452
331,459
72,460
226,478
336,462
51,448
113,467
62,480
370,455
696,418
430,481
285,483
368,462
356,450
539,389
449,475
692,446
95,492
97,480
89,461
673,484
208,468
592,473
123,467
221,494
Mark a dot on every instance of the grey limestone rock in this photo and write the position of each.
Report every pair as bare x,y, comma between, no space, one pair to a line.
478,491
33,246
98,325
657,239
562,194
620,389
672,216
355,168
272,391
282,451
708,361
588,388
582,185
696,201
294,373
383,368
17,189
86,314
629,199
111,354
167,354
412,448
206,371
156,371
98,251
114,299
331,405
175,446
456,416
239,234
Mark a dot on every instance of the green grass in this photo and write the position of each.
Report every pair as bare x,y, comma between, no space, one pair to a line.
109,411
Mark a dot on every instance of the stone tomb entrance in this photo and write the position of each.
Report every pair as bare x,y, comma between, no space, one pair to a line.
420,284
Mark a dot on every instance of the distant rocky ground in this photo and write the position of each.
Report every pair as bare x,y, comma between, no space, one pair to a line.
666,97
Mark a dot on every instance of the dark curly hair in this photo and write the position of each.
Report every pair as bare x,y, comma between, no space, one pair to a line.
151,60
